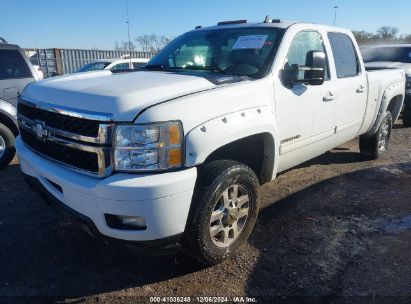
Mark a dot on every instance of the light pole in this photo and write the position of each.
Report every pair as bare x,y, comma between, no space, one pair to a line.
128,28
335,14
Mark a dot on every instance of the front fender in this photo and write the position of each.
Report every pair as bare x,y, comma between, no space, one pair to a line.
213,134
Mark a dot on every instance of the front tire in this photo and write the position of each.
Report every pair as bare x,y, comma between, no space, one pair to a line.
7,150
375,146
224,210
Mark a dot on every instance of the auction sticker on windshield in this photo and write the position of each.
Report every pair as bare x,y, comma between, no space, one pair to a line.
250,42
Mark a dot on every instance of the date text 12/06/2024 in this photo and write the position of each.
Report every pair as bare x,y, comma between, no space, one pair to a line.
203,299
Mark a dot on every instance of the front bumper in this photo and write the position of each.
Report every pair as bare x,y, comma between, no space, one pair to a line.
162,199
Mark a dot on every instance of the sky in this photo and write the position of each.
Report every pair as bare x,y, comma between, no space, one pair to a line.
98,24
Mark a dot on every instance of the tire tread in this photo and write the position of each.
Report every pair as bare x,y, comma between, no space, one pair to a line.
206,182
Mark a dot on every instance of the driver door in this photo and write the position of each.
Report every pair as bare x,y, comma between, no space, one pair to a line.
305,113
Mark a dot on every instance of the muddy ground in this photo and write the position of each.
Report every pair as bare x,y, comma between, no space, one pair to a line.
336,229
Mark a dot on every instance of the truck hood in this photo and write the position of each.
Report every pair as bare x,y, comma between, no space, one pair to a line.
391,65
123,95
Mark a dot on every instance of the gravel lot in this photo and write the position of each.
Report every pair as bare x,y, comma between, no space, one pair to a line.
337,227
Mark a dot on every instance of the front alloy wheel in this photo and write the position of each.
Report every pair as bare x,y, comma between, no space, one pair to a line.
229,216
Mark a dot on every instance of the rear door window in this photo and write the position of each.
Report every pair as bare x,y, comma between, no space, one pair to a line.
13,65
345,55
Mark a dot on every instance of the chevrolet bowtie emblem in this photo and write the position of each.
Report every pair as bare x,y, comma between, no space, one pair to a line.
39,129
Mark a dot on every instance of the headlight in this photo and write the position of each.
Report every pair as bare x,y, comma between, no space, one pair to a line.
148,147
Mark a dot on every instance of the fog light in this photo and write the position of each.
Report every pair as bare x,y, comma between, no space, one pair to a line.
137,221
125,222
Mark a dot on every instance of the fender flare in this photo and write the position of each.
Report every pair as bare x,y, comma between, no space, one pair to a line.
213,134
393,91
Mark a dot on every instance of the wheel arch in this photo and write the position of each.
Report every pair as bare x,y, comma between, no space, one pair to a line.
395,106
247,136
392,100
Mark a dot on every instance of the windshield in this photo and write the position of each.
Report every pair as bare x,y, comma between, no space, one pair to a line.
94,66
234,51
397,54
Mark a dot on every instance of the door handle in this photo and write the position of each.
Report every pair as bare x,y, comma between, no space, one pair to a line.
361,89
329,97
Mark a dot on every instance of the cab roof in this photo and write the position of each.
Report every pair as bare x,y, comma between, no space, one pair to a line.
244,24
275,23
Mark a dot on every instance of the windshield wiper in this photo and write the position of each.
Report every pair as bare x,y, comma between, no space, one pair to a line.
161,67
154,67
206,68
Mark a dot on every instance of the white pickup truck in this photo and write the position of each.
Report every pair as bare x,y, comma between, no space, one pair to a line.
172,156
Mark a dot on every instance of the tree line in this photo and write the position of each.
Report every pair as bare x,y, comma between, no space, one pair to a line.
147,43
154,43
385,34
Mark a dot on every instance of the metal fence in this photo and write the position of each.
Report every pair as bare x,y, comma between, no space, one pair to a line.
65,61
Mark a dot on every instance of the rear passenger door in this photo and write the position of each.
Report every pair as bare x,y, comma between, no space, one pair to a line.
351,85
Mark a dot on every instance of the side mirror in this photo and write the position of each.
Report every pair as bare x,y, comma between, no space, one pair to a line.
312,73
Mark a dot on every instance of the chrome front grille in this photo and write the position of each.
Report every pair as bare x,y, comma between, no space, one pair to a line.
55,120
79,140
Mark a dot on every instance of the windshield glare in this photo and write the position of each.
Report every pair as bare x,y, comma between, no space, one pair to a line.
234,51
397,54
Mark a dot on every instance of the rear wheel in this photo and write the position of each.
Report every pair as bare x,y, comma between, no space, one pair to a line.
224,211
7,150
375,146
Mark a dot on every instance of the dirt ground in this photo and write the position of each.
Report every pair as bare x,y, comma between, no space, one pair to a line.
336,229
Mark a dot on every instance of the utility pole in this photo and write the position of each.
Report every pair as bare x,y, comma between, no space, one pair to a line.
335,14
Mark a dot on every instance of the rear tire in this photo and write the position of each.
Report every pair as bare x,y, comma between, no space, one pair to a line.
223,213
375,146
7,150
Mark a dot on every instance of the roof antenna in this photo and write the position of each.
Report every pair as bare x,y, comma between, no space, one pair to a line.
267,19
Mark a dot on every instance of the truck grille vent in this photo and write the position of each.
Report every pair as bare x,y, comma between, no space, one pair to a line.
82,144
70,124
82,160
